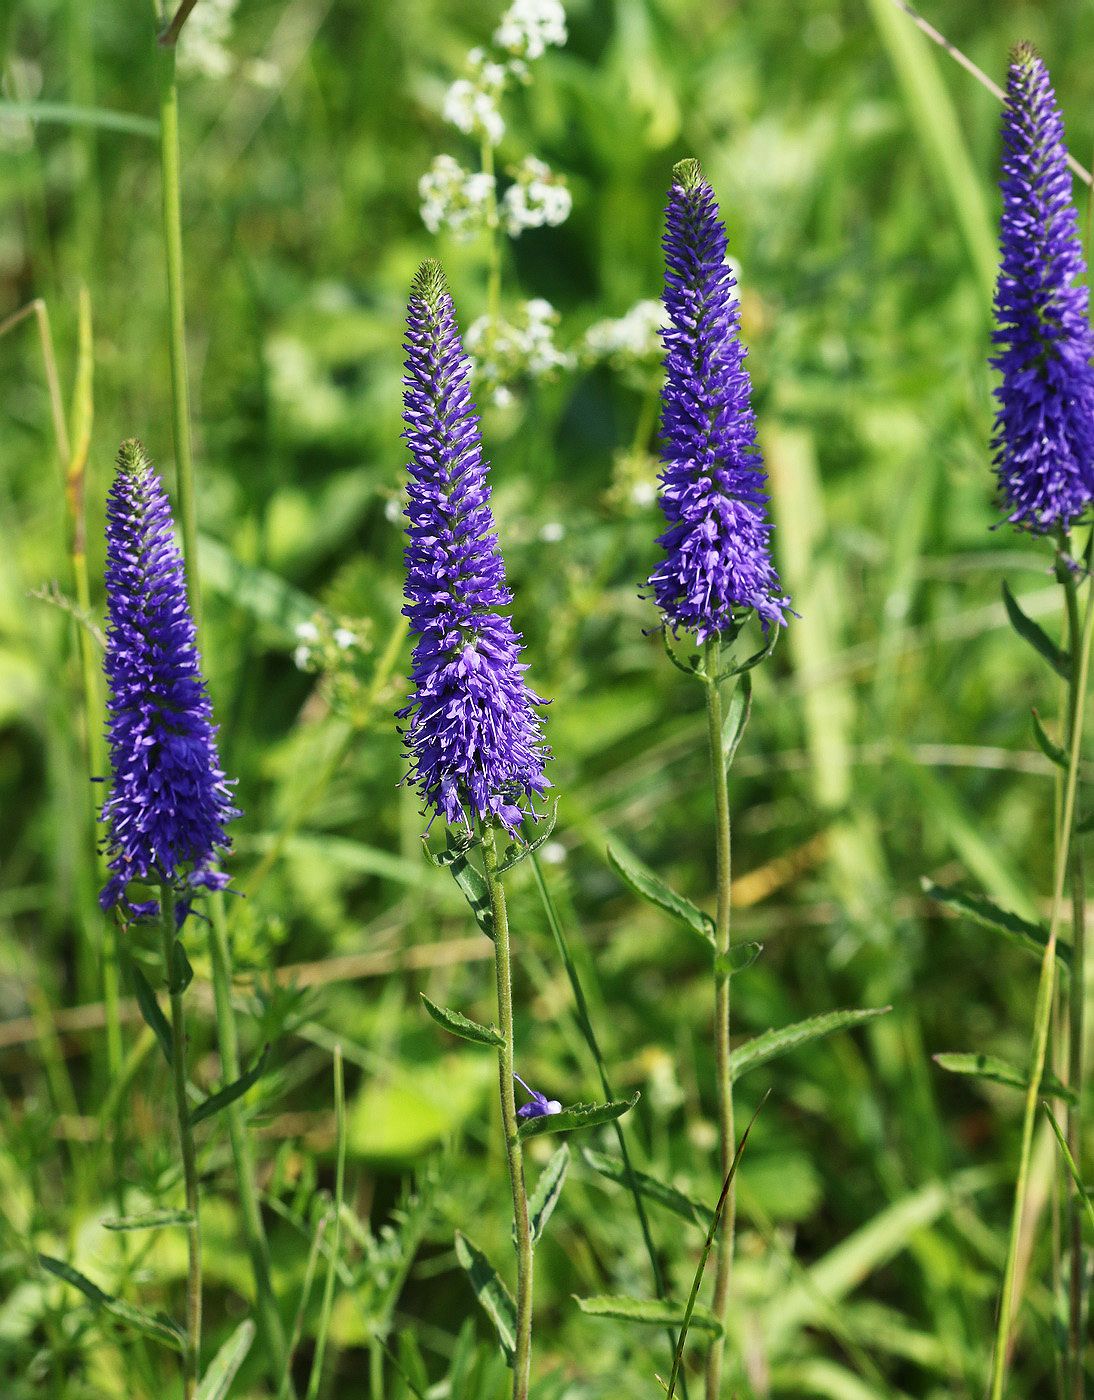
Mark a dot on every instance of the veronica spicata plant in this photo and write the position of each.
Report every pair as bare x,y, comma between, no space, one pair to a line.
169,803
474,737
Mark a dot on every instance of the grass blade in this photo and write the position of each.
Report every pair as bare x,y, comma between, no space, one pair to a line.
323,1329
218,1378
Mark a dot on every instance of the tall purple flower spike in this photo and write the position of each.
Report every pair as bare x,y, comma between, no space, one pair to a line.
540,1107
1044,425
474,740
169,802
717,542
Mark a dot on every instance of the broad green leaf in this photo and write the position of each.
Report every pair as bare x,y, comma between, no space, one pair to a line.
1032,937
1051,750
150,1010
460,1025
182,974
611,1166
647,886
1036,636
150,1220
474,889
739,957
221,1372
651,1310
548,1189
736,718
999,1072
495,1298
777,1042
238,1087
580,1115
157,1326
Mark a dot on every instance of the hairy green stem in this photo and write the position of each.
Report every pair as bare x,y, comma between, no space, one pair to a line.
522,1354
1080,663
192,1357
724,1264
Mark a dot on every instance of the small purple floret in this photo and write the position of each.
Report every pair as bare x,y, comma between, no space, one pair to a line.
717,550
169,802
474,740
1044,426
540,1107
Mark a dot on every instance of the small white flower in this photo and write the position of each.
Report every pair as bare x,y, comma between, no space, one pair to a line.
552,532
644,493
474,109
306,632
344,638
392,510
538,197
528,27
203,44
454,198
553,853
301,658
635,335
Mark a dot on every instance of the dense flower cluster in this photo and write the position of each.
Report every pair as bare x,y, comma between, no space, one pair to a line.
529,27
717,547
506,352
1044,426
536,198
169,802
474,739
454,198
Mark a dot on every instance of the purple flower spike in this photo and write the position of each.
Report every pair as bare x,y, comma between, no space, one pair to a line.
474,740
1044,426
169,802
540,1107
717,545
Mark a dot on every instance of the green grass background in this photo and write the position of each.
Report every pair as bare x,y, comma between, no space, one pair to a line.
890,736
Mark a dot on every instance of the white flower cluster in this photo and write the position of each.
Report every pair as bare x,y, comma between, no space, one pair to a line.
538,197
457,199
636,335
528,27
322,640
203,44
504,352
471,104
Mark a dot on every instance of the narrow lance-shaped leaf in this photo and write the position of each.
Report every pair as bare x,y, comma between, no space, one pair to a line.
548,1189
612,1167
495,1298
739,957
736,718
1032,937
991,1067
521,850
460,1025
1051,750
785,1038
217,1380
150,1010
579,1115
1036,636
1070,1163
649,887
651,1310
238,1087
157,1326
150,1220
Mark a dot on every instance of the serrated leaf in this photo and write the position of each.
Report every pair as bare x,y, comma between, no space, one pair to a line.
1051,750
157,1326
494,1297
518,852
238,1087
222,1370
739,957
736,718
612,1167
182,974
579,1115
460,1025
1036,636
548,1189
785,1038
474,889
651,1310
150,1220
150,1010
1032,937
999,1072
754,660
649,887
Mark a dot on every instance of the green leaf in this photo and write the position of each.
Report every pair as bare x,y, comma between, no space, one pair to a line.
474,889
651,1310
647,886
1036,636
519,851
736,717
182,974
150,1010
612,1167
999,1072
495,1298
1051,750
157,1326
742,668
1070,1163
150,1220
1032,937
221,1372
460,1025
739,957
777,1042
223,1097
1084,823
580,1115
548,1189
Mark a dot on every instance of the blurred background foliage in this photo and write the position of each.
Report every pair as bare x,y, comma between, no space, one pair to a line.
890,738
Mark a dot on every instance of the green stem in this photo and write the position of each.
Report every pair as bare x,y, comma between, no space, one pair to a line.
1080,663
522,1354
323,1329
585,1025
192,1358
493,265
724,1263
